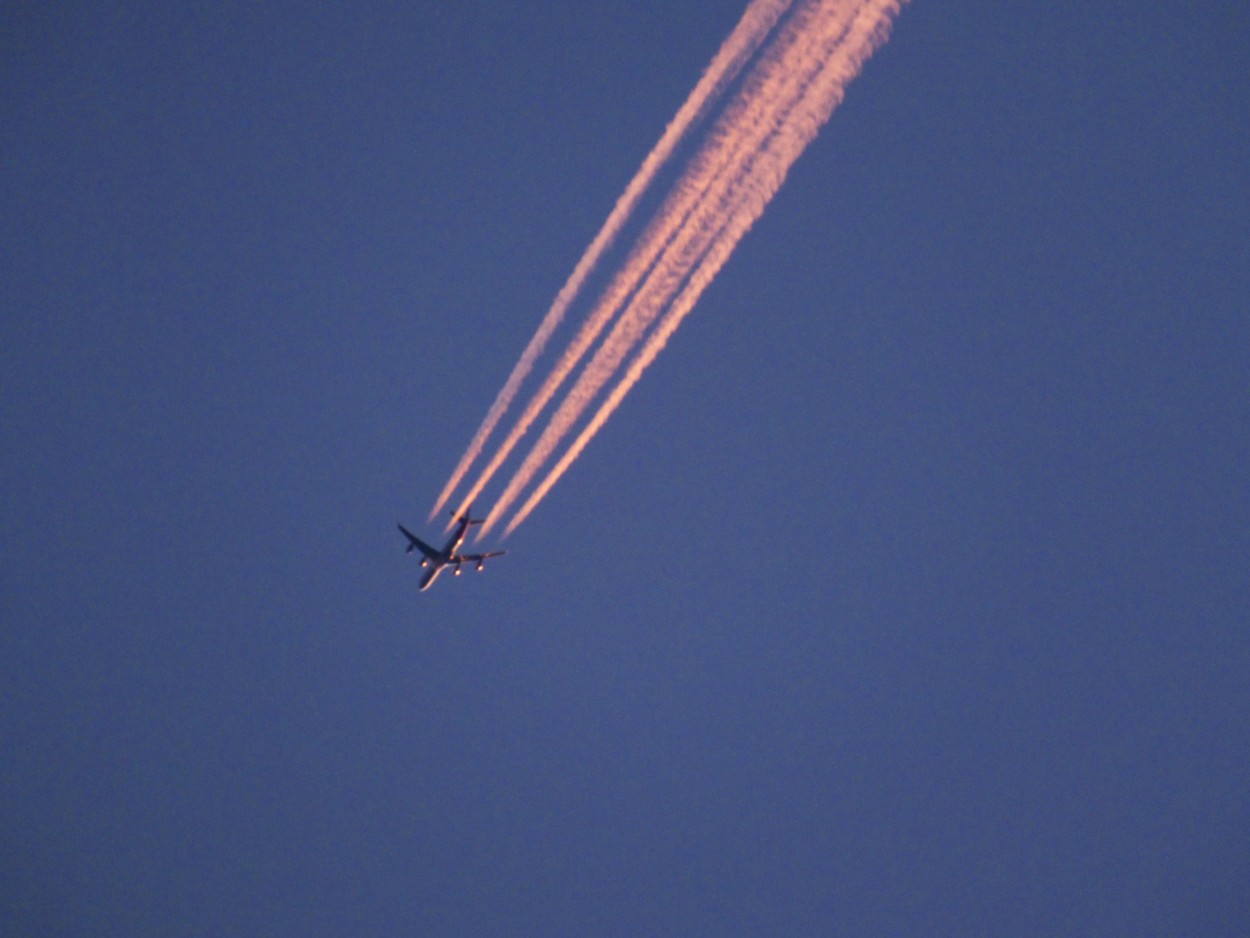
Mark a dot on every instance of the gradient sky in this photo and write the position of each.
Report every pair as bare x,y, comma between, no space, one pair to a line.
907,594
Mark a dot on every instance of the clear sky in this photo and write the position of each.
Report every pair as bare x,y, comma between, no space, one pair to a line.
907,594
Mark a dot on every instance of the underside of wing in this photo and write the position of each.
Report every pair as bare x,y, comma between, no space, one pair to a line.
471,557
414,541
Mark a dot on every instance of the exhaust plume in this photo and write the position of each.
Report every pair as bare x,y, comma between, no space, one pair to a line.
791,93
756,23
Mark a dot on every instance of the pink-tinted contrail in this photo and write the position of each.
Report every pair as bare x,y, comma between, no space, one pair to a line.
756,23
655,267
870,34
790,95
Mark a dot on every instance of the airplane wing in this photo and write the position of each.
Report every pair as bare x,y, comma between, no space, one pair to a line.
469,558
414,541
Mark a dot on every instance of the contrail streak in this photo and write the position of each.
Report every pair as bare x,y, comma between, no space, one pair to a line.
664,248
756,23
870,35
791,94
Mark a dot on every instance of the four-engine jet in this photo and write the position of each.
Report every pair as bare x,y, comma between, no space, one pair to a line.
436,559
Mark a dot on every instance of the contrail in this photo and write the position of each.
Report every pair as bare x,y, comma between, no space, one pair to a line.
756,23
667,243
870,35
793,91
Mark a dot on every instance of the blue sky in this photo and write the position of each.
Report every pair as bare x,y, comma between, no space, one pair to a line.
906,594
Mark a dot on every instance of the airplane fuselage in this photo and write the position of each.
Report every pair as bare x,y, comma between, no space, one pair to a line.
430,576
436,559
448,555
453,544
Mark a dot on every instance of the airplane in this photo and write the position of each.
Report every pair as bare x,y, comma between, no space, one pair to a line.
436,560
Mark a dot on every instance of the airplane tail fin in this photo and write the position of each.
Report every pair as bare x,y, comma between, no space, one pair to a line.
467,516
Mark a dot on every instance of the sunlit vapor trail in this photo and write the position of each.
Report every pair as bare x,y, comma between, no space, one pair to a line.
756,23
796,86
791,145
666,247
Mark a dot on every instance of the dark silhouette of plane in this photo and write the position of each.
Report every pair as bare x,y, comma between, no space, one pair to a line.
436,560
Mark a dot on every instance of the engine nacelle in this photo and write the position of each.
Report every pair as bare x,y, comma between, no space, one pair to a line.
457,571
481,565
425,562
